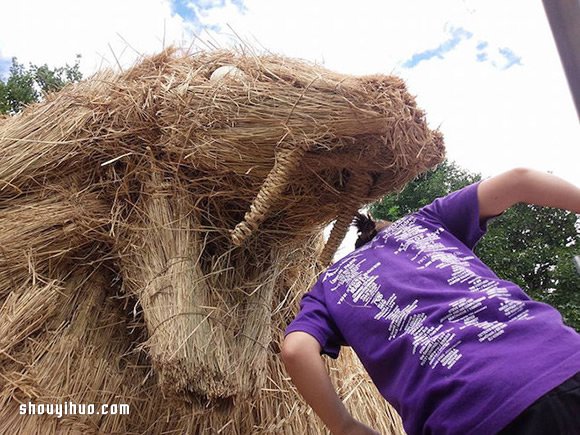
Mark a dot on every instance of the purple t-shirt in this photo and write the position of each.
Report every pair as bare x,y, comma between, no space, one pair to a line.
455,349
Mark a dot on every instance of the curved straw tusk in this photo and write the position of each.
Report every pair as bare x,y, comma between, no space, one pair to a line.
357,189
287,160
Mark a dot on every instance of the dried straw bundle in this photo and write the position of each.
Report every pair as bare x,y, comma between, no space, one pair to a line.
83,350
200,199
80,353
197,320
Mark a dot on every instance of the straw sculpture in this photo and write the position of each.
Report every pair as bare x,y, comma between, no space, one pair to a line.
158,227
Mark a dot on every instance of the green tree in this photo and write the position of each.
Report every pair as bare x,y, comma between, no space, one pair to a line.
28,85
529,245
447,178
533,247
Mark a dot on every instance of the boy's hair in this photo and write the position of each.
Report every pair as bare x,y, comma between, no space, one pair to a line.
367,229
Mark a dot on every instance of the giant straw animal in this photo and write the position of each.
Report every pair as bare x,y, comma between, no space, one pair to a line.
158,227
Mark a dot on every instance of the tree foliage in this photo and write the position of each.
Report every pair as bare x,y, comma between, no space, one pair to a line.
447,178
529,245
26,85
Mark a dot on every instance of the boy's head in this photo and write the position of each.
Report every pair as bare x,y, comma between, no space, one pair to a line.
367,228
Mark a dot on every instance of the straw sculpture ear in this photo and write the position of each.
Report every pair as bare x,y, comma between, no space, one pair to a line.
287,160
357,189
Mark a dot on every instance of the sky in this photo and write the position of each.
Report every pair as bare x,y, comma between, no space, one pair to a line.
486,72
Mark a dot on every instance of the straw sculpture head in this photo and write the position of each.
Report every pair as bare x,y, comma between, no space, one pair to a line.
168,218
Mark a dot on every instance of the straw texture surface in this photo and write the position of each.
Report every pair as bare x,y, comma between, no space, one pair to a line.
158,228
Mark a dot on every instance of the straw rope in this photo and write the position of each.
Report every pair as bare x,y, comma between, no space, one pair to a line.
357,189
287,160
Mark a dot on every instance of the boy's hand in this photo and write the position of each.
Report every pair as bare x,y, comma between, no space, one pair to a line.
355,427
301,356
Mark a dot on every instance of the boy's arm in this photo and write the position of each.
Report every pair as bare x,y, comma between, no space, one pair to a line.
301,357
497,194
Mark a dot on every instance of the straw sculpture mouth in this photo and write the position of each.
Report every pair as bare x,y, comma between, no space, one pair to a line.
194,208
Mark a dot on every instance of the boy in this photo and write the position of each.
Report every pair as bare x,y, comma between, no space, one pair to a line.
452,347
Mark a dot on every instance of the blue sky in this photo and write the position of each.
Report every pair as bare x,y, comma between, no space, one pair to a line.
486,72
474,65
482,55
189,9
457,35
192,11
499,57
184,9
5,64
510,57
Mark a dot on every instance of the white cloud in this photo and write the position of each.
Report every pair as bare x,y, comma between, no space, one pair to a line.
55,31
494,115
492,119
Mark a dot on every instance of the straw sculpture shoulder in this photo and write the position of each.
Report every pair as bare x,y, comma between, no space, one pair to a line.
159,225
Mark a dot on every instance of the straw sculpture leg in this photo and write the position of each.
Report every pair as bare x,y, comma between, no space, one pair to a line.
209,325
161,268
277,408
246,308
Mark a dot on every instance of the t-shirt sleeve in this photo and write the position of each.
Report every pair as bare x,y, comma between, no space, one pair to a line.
315,320
458,212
